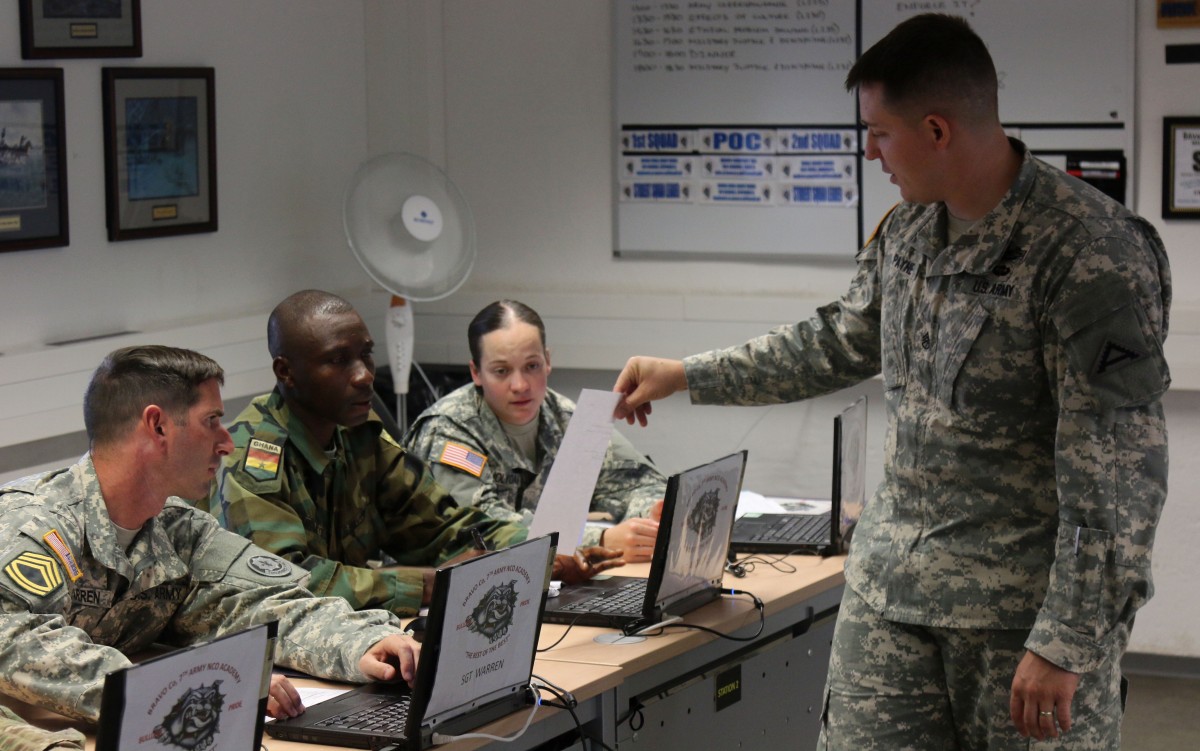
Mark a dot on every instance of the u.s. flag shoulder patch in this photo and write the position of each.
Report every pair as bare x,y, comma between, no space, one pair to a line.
60,548
262,459
462,457
36,573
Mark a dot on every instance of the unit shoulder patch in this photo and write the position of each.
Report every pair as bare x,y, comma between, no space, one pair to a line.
462,457
268,565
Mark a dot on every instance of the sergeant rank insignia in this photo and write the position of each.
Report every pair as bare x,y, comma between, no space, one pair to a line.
36,573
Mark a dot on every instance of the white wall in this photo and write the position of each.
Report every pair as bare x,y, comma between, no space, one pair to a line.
525,99
513,98
290,105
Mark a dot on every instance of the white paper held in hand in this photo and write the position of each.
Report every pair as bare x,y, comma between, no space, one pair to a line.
563,505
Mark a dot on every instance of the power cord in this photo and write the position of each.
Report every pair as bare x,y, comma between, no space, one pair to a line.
570,626
567,702
750,562
439,739
758,604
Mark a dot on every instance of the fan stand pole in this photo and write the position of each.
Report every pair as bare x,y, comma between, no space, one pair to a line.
400,336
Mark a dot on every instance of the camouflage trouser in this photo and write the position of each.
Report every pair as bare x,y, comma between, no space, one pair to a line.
896,687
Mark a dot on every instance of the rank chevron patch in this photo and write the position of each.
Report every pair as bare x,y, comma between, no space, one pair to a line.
1114,356
36,573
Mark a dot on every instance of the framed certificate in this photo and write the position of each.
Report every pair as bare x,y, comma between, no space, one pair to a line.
33,163
1181,168
160,152
80,28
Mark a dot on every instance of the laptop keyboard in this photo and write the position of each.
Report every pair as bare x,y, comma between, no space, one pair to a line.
389,715
797,528
627,598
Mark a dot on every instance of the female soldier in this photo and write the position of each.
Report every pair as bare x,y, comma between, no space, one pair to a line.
491,443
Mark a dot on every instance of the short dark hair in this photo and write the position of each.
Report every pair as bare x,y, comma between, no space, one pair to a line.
132,378
297,309
498,315
929,62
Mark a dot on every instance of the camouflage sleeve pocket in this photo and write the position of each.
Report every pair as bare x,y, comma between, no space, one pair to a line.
1077,583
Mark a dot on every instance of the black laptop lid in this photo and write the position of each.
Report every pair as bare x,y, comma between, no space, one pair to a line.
849,470
694,531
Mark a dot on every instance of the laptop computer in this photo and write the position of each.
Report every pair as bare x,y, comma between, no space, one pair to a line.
475,664
817,534
211,696
689,556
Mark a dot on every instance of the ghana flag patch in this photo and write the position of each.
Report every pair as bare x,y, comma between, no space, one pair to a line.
36,573
262,459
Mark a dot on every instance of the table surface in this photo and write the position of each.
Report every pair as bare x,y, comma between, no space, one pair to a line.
587,668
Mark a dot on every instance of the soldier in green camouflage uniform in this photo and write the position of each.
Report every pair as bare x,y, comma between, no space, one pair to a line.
314,477
994,576
97,562
473,455
334,514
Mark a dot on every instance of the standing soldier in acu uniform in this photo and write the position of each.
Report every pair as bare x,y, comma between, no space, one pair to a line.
1017,316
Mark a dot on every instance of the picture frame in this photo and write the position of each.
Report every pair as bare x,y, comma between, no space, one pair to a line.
160,151
80,28
1181,168
33,159
1174,14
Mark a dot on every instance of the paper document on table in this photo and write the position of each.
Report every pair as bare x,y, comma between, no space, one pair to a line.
563,505
311,697
750,502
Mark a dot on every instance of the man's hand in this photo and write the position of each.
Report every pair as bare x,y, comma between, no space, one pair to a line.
283,700
1039,687
643,380
391,657
656,510
635,537
586,563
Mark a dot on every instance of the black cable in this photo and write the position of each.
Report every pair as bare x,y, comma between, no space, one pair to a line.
634,713
758,604
570,626
776,562
557,641
570,707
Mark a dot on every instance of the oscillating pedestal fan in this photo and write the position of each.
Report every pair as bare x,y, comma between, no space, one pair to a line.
411,230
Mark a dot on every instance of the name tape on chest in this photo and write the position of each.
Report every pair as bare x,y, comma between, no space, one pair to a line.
462,457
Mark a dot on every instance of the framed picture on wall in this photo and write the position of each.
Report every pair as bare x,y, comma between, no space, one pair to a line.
33,162
160,152
80,28
1181,168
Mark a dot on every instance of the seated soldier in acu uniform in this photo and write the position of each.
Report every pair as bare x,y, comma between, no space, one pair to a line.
103,559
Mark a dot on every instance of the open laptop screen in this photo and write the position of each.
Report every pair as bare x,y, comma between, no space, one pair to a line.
700,525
